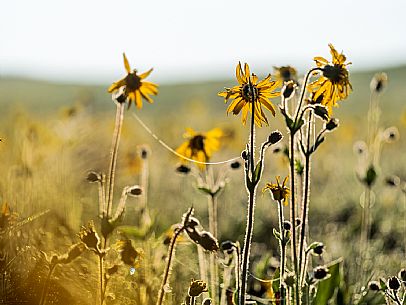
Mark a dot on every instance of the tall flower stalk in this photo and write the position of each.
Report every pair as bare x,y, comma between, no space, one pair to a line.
249,96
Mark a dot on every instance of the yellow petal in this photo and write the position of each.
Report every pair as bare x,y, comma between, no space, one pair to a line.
145,74
117,85
246,72
138,99
126,64
238,74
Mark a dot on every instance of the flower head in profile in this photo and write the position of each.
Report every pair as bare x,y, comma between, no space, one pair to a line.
333,83
251,92
134,87
280,192
200,146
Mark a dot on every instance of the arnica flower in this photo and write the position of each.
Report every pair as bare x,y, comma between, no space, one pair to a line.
285,73
280,192
200,146
333,82
135,88
250,90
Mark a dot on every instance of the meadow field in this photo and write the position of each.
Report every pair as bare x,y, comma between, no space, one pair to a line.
56,140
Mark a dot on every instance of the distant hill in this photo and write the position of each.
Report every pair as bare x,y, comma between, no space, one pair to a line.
43,96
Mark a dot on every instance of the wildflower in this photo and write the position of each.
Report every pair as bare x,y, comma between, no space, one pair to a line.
200,146
196,288
248,91
279,192
285,73
128,254
333,83
135,88
89,237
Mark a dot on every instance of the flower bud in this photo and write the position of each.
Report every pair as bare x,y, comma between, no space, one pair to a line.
208,242
275,137
331,124
135,190
287,225
394,283
119,96
379,82
393,181
183,169
320,273
374,286
207,301
289,279
288,90
321,111
227,246
319,249
235,165
93,177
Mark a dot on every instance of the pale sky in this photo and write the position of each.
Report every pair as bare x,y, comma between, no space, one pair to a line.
187,40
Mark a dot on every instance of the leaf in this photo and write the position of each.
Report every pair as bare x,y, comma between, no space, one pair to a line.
277,234
372,298
205,190
276,280
257,172
327,288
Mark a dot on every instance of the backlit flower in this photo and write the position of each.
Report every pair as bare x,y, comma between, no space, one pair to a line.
251,91
280,192
135,88
200,146
333,83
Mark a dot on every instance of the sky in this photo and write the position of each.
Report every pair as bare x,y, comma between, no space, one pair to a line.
189,40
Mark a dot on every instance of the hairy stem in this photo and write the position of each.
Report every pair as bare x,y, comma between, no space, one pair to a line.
250,217
306,194
212,206
171,253
101,279
113,155
282,245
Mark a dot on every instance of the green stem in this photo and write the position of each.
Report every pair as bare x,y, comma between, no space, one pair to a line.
304,90
306,192
113,154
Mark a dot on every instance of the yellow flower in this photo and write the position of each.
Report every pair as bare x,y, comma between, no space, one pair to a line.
279,192
333,83
135,89
286,73
200,146
249,90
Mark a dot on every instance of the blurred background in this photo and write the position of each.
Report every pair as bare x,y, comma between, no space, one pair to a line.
57,59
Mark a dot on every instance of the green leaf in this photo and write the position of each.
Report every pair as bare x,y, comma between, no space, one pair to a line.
257,172
372,298
205,190
327,288
276,280
132,231
277,234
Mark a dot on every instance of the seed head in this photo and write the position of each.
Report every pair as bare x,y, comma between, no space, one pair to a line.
89,237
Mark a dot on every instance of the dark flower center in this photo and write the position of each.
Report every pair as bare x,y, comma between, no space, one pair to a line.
197,143
133,82
335,74
249,92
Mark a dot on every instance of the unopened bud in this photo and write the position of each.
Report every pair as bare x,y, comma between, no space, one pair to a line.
93,177
275,137
183,169
321,111
288,89
374,286
379,82
331,124
235,165
320,273
135,190
287,225
394,283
